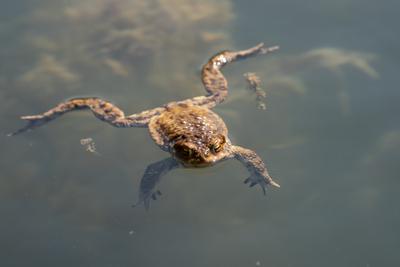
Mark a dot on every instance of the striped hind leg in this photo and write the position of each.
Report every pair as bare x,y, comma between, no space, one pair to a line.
102,109
214,81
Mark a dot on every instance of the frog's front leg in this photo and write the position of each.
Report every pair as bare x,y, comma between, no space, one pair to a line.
256,167
151,177
102,109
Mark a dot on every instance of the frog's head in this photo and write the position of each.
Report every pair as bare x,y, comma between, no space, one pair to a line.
198,152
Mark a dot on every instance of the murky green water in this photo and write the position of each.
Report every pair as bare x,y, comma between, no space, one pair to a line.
330,134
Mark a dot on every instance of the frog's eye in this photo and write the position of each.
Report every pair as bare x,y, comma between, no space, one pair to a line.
182,151
216,147
217,144
187,151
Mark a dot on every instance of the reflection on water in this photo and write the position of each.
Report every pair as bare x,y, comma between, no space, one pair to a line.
329,134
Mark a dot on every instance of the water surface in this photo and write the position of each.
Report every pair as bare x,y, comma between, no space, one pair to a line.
330,134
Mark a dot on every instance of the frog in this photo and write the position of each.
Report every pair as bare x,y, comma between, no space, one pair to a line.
189,130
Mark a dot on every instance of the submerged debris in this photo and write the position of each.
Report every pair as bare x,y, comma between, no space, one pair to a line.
254,84
90,145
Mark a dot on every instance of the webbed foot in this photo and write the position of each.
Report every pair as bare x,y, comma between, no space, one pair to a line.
151,177
147,197
256,167
262,181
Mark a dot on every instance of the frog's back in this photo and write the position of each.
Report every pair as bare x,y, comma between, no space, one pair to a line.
194,123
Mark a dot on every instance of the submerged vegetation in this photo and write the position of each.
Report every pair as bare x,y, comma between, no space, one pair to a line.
131,39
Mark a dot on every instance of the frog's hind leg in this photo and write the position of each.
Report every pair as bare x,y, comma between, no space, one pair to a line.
102,109
215,82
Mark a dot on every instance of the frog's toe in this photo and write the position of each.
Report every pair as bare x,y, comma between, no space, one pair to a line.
33,121
156,194
261,181
145,201
31,117
265,50
250,181
146,197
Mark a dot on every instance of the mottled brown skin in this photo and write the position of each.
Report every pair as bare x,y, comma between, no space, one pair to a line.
189,130
194,135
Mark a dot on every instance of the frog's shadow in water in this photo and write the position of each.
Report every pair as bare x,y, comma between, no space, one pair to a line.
189,130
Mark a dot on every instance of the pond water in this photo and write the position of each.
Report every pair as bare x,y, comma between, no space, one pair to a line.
330,134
